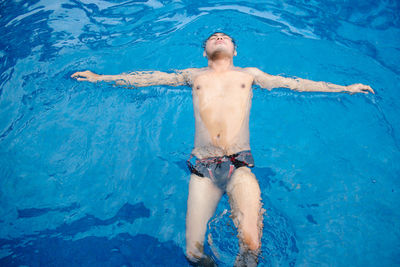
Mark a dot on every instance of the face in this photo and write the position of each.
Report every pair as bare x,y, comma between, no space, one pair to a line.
219,43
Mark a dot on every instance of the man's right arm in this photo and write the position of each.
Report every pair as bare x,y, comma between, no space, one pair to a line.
140,78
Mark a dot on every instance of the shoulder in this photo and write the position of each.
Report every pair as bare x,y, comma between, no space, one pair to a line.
191,74
252,71
258,74
191,71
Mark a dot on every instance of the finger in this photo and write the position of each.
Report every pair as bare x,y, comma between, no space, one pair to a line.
81,79
76,74
367,90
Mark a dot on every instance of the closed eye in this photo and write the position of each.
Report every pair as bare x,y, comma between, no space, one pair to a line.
224,37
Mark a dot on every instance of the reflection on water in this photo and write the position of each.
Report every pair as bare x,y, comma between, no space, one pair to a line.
99,24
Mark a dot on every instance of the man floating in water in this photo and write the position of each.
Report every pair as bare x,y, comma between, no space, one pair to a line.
221,159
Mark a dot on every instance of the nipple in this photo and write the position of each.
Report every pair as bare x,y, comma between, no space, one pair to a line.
218,136
243,86
198,87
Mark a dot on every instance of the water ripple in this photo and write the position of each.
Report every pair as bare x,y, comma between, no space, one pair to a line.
92,143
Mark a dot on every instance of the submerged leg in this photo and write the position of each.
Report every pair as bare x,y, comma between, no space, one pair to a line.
203,199
245,199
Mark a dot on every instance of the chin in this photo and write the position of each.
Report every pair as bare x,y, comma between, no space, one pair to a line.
219,53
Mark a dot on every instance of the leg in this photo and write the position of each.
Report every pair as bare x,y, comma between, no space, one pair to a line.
245,199
203,199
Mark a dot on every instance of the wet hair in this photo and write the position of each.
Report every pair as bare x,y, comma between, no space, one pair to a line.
208,38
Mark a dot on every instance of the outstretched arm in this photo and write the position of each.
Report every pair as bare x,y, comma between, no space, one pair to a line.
269,82
138,79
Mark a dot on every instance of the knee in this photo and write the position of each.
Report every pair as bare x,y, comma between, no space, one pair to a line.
196,257
250,234
194,251
192,256
251,240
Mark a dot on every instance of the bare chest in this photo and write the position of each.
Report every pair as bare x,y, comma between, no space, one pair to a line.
227,89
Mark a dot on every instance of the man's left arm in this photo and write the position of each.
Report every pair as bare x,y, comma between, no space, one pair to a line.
269,82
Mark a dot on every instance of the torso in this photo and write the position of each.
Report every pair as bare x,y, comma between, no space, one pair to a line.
221,104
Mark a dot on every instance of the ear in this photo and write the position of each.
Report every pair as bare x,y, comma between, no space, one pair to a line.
204,53
235,53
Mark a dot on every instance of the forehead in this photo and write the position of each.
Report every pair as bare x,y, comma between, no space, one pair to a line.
218,34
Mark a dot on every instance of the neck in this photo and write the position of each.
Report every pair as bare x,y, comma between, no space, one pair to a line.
220,63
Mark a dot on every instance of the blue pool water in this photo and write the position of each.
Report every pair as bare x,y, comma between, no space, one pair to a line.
95,175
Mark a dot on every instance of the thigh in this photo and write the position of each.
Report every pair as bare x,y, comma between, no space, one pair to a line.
203,199
245,199
244,192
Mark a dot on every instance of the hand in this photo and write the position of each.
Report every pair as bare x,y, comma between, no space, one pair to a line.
359,88
86,76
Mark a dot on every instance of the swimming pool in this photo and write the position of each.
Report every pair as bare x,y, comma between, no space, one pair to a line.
95,175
